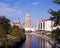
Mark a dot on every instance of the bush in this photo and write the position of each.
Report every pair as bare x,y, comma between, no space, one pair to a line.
13,38
56,35
16,31
2,31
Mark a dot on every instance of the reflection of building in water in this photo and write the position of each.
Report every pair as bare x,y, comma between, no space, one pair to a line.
43,43
28,41
36,42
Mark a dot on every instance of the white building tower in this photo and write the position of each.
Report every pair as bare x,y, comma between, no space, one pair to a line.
28,26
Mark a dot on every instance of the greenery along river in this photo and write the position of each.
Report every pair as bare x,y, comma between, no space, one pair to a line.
10,37
33,41
13,39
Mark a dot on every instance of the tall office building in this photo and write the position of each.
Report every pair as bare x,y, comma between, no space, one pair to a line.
28,20
27,25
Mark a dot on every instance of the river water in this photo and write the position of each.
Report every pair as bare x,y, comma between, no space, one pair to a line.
33,41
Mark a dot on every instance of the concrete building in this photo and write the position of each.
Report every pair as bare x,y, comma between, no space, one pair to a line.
28,26
37,27
46,25
34,28
16,23
28,20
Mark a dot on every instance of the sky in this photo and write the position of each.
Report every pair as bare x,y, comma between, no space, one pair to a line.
13,9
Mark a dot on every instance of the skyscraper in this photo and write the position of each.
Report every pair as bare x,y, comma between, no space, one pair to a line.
28,20
27,24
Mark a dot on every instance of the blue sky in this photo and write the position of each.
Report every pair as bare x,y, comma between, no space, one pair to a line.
13,9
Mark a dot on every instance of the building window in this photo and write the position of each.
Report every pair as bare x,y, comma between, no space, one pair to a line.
43,25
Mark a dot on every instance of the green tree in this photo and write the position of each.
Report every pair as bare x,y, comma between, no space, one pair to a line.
56,35
55,16
56,1
2,31
5,22
16,31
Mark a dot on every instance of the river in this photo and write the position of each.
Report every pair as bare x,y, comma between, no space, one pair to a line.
33,41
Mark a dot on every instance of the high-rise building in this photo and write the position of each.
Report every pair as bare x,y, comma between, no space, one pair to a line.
27,25
28,20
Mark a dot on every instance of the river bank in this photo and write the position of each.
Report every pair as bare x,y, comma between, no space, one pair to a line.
12,42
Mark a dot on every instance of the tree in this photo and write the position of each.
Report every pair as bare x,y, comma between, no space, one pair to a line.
16,35
16,31
5,22
2,31
56,35
56,1
56,16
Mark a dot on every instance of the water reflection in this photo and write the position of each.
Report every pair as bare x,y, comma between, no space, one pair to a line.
28,41
33,41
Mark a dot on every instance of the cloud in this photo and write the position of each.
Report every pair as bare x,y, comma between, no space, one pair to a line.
35,3
7,10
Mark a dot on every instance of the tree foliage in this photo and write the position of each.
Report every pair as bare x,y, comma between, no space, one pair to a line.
56,35
16,31
5,22
56,16
2,31
4,26
56,1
